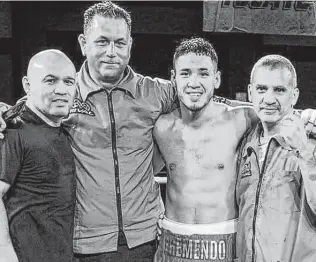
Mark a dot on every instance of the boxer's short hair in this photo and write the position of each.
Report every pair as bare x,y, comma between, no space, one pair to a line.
198,46
105,9
275,62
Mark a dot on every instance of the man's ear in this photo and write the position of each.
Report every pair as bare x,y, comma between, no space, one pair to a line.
296,93
249,93
26,84
217,79
82,43
130,42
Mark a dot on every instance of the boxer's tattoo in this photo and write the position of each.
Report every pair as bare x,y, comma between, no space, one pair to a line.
195,151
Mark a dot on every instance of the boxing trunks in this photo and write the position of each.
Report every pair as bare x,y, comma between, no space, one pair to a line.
181,242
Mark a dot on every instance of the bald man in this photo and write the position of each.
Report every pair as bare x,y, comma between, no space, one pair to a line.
37,171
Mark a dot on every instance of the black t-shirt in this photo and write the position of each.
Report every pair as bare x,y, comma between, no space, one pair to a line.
37,161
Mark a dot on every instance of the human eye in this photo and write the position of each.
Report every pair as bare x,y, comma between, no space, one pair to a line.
101,41
69,82
261,89
280,89
205,73
184,73
120,44
50,80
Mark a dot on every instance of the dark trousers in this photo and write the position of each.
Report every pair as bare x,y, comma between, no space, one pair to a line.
142,253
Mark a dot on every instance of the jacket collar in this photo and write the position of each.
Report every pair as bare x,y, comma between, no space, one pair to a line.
254,136
87,85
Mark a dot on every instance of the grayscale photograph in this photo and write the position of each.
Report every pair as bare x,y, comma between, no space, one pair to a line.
158,131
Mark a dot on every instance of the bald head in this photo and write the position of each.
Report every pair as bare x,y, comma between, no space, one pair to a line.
50,83
48,59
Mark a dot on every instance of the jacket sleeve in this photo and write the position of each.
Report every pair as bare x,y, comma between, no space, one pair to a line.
167,94
307,162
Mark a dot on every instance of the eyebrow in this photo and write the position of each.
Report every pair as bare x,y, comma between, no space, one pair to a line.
70,78
116,40
50,75
53,76
200,69
264,86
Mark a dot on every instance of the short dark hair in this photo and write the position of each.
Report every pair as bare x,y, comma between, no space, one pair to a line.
198,46
105,9
273,62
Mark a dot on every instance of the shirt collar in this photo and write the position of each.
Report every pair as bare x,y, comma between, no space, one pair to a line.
87,85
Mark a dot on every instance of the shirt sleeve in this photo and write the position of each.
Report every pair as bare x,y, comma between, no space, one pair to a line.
167,95
11,156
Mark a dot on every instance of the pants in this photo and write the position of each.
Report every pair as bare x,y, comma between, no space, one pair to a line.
197,242
142,253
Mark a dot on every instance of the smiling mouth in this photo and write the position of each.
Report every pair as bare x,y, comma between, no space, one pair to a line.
109,63
194,96
60,100
194,93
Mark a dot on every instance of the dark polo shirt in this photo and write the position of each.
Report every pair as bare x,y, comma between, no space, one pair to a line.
37,161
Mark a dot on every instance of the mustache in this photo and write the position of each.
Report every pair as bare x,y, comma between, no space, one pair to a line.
269,107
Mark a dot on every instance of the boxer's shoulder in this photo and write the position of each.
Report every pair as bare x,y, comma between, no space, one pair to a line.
241,113
244,117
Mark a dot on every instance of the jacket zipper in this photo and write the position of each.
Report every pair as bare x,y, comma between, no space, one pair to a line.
257,199
116,165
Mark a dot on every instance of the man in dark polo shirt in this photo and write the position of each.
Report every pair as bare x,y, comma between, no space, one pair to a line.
37,170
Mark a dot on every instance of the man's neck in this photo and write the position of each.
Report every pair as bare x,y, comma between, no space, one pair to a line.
270,129
108,83
51,122
205,114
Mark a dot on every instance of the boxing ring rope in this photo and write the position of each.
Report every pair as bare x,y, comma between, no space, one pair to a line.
161,180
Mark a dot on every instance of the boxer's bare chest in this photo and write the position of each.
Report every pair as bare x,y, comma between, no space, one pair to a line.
199,150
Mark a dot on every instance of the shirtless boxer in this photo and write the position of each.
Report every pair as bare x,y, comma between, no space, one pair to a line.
199,144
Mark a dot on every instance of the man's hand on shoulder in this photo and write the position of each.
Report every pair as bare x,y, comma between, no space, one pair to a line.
3,108
10,114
